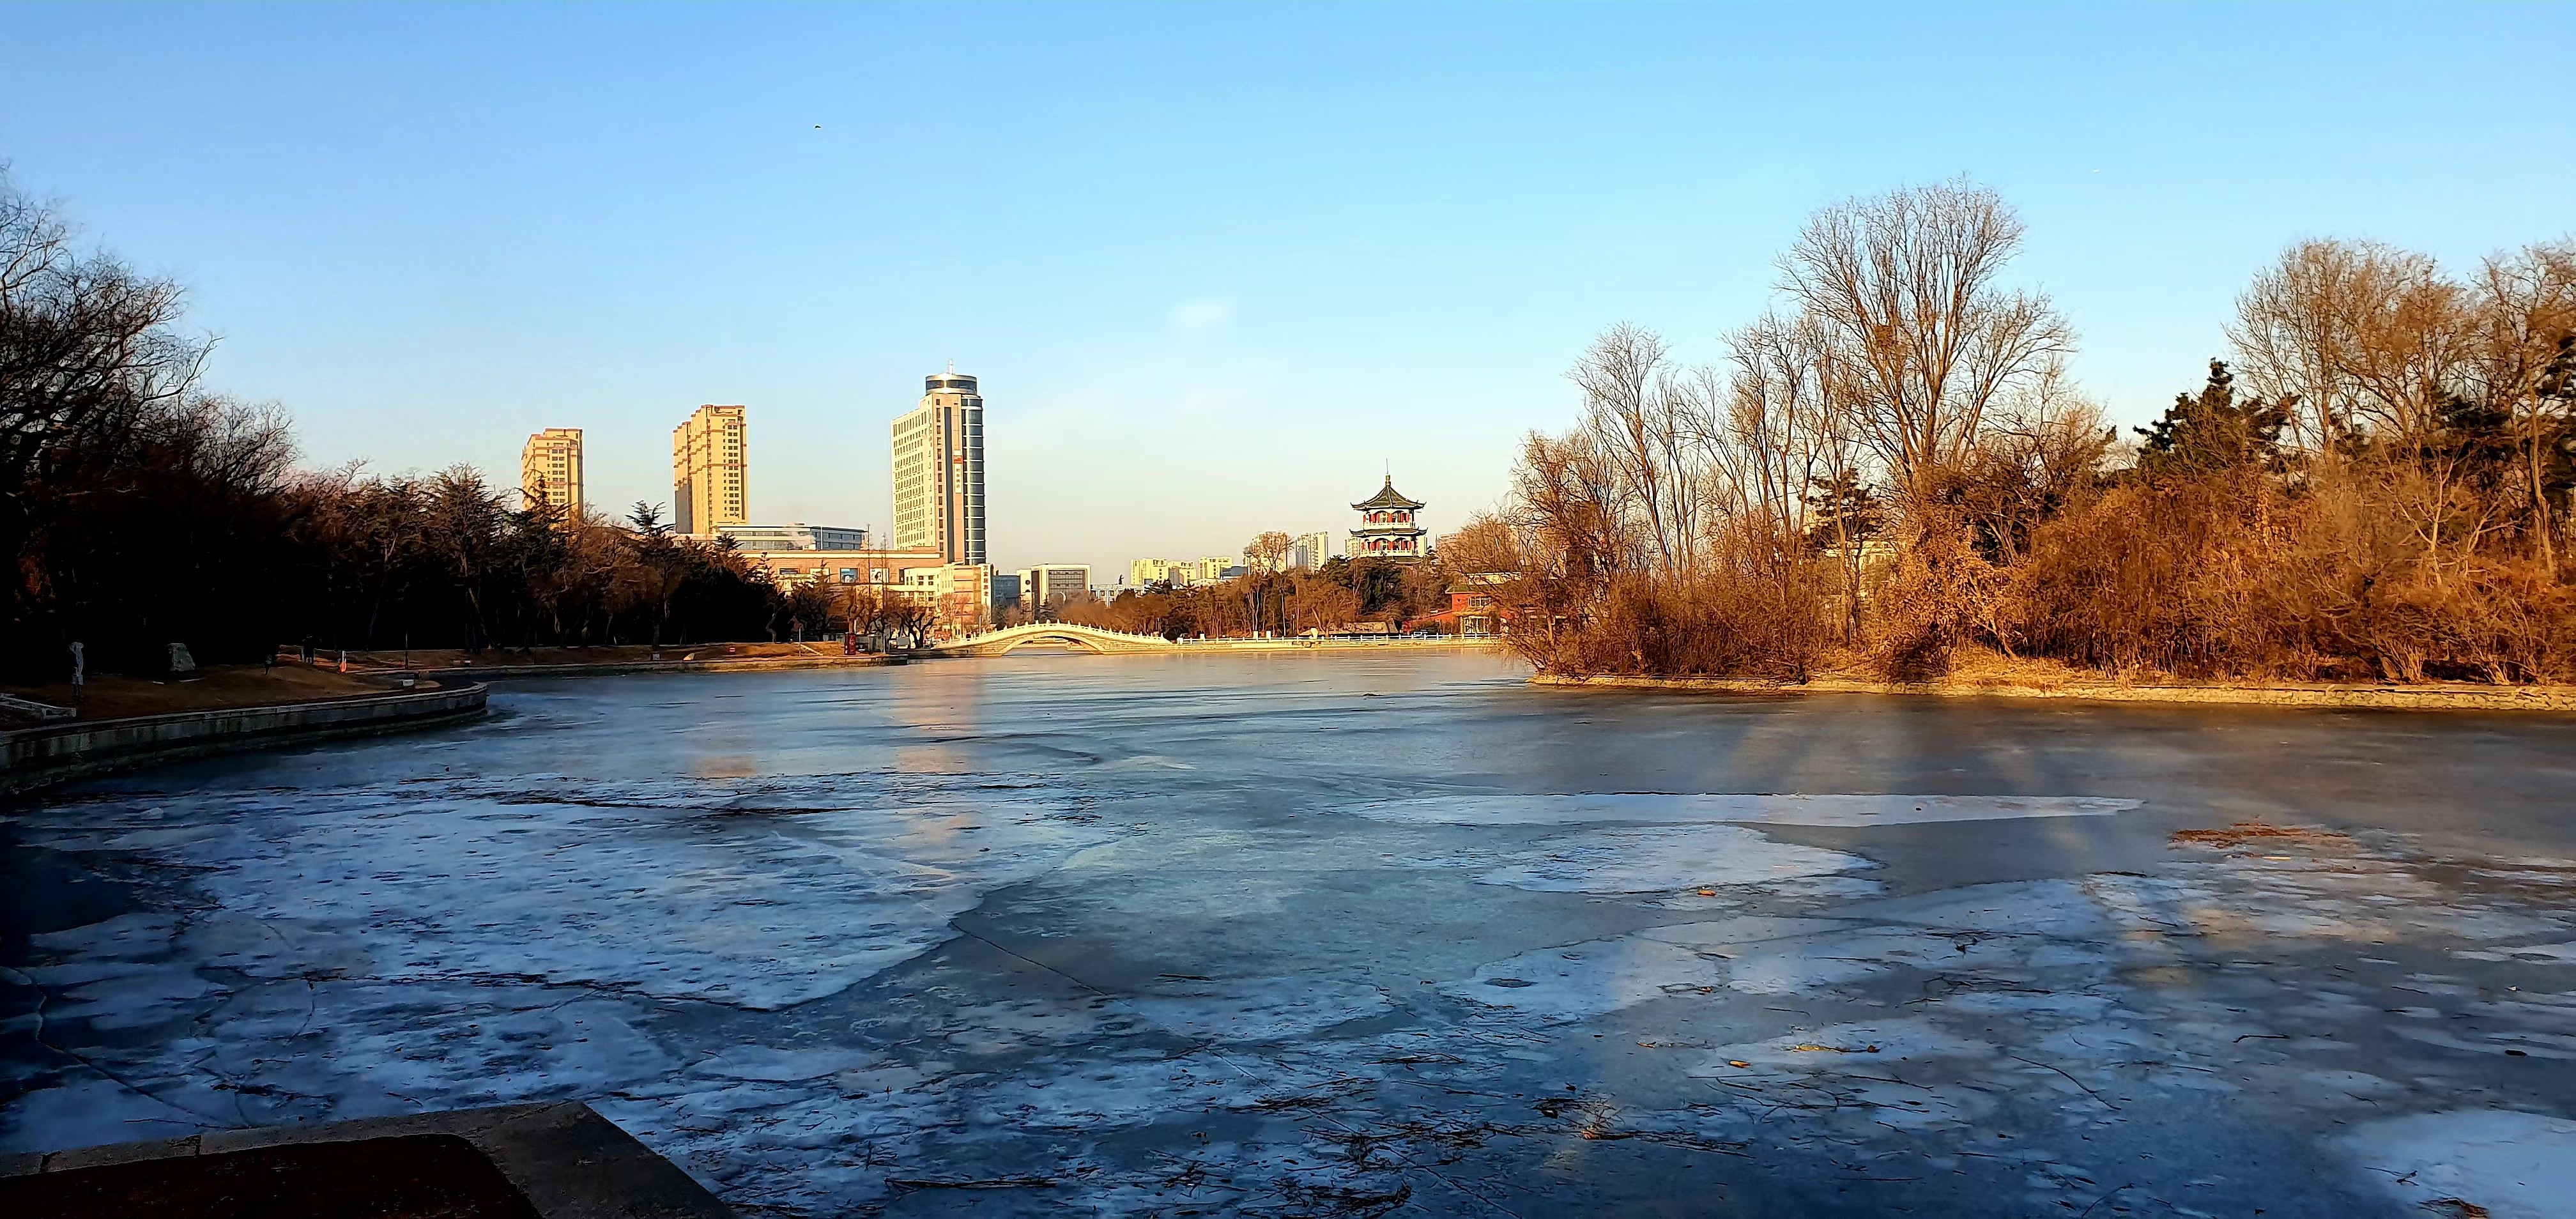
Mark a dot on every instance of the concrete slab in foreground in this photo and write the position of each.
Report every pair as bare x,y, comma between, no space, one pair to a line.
550,1161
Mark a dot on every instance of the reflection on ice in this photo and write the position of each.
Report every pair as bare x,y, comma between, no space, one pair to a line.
1659,809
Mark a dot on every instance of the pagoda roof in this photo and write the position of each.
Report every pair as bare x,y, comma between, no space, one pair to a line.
1387,497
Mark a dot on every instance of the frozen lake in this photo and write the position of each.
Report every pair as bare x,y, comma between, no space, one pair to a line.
1323,935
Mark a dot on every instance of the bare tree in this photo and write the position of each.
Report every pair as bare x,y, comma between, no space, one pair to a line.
2524,365
2296,342
1921,337
1638,418
1788,429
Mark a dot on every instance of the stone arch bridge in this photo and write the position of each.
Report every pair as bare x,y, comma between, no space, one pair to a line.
1050,634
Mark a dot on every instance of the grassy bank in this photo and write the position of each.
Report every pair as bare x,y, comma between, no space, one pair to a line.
1987,675
215,688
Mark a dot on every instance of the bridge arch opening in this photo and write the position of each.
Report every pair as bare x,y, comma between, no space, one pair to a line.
1052,639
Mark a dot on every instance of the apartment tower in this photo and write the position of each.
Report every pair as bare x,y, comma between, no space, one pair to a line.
709,475
939,471
550,471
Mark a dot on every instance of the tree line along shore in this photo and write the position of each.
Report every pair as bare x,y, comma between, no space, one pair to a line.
1891,474
1888,475
139,507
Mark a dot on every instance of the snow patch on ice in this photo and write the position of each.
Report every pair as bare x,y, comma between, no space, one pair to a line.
2515,1165
1652,860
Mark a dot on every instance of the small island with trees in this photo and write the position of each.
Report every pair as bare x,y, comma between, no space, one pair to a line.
1891,483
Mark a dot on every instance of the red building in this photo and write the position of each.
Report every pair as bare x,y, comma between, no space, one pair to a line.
1474,608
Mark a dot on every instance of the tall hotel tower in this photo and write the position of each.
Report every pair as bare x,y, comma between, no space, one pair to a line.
708,471
939,470
550,471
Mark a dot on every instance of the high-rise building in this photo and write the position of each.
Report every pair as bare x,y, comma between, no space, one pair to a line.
710,475
1310,550
939,470
550,471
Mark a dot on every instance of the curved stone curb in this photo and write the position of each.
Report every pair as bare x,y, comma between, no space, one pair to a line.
31,758
564,1159
739,664
2554,699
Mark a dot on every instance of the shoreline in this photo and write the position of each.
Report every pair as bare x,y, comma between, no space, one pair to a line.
611,668
32,759
2428,697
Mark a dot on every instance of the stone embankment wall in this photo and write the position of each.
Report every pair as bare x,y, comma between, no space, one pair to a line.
38,757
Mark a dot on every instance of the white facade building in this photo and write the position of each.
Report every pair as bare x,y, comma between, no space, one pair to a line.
939,470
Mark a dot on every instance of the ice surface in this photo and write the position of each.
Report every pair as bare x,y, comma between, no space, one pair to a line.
1260,1009
1662,809
1652,860
1842,1048
2515,1165
1751,929
756,896
2564,954
1347,1015
1574,981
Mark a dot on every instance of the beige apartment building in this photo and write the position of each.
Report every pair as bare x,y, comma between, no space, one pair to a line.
1053,583
710,473
1181,572
1310,551
792,565
550,471
960,593
939,471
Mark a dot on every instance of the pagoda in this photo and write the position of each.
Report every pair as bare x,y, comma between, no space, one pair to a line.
1387,527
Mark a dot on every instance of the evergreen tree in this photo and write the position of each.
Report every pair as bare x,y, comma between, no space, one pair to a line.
2213,432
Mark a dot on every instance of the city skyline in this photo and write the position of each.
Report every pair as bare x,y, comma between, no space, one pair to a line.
1392,241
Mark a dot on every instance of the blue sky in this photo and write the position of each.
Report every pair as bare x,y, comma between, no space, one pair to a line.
1216,265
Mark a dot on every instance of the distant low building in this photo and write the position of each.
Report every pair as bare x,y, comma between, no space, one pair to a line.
1473,606
1182,573
795,535
961,593
1006,591
1053,584
803,566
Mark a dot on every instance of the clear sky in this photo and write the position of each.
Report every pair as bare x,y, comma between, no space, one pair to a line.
1217,266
